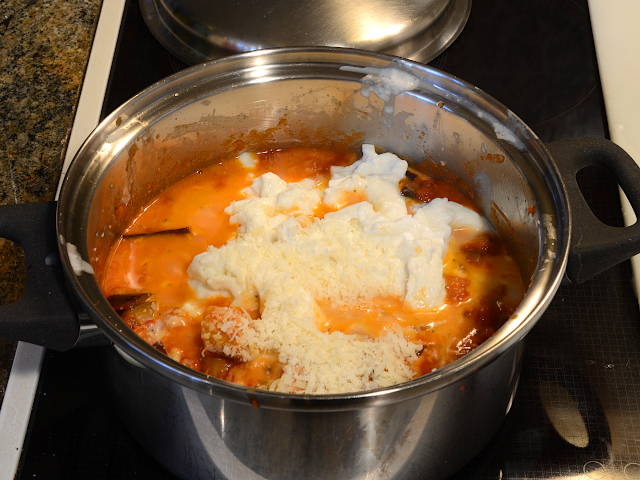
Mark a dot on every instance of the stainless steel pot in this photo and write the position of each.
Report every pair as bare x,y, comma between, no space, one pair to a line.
199,427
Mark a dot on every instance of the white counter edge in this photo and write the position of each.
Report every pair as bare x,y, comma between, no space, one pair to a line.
25,371
17,404
617,40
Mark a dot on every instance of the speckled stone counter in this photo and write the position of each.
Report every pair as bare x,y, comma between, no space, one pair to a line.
44,49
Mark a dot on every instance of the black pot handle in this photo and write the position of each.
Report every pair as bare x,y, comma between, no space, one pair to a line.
45,314
595,246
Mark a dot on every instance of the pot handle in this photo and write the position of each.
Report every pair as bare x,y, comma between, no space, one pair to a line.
45,314
595,246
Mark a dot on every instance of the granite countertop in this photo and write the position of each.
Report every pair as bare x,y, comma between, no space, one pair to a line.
44,49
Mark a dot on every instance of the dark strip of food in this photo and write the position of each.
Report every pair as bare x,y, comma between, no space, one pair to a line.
177,231
407,192
122,303
423,188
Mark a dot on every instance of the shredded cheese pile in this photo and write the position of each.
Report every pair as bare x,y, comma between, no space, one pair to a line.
285,261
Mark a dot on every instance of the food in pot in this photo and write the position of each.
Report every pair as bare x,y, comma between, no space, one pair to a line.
312,271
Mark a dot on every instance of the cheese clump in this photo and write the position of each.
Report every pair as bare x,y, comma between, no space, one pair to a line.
288,261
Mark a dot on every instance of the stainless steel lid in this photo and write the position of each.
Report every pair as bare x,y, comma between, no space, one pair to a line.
314,96
200,30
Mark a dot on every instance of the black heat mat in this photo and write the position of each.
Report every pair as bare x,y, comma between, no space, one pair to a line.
577,410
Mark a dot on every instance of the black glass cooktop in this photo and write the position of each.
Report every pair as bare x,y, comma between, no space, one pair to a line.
577,410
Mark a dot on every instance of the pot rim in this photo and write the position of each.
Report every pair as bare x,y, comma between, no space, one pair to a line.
554,240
